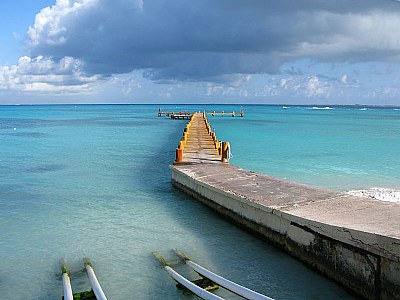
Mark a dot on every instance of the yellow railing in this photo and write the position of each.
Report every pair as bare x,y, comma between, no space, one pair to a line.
221,147
183,141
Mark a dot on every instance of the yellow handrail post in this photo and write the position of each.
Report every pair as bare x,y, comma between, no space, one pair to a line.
179,152
225,152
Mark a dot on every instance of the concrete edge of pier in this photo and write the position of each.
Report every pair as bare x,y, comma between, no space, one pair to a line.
325,230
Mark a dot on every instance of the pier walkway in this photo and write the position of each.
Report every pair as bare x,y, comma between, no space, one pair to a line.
353,240
200,146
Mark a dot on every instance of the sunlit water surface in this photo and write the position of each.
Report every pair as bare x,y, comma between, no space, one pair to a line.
94,181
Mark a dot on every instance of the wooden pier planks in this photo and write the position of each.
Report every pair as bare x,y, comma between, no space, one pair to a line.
200,145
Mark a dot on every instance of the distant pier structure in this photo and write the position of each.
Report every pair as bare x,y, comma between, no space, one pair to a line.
175,115
186,115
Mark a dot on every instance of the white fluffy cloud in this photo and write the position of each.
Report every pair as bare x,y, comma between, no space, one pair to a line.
42,74
51,23
317,87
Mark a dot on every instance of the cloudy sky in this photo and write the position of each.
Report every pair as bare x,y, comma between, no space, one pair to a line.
207,51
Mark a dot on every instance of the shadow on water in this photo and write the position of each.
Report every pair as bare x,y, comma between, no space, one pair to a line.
45,168
37,135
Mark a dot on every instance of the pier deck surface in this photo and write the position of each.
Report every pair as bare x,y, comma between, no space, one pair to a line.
200,147
202,162
322,206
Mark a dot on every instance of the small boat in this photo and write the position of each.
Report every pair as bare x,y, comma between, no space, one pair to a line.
96,293
196,289
211,277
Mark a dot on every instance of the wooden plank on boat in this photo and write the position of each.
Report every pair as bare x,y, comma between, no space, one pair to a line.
202,293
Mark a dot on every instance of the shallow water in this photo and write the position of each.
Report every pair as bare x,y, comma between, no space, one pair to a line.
343,148
94,181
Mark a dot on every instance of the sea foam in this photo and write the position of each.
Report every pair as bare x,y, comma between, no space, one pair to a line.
317,107
382,194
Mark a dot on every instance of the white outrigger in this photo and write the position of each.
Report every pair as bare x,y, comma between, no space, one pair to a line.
66,282
229,285
98,291
203,293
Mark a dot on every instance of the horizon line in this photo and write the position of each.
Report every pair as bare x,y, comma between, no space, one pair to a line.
202,104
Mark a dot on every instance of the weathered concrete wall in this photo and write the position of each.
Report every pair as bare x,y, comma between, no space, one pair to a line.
390,279
343,254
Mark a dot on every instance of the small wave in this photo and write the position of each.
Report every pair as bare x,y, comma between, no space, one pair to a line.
397,109
364,108
317,107
382,194
45,168
285,107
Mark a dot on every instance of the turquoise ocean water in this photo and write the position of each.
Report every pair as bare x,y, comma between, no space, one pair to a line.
93,180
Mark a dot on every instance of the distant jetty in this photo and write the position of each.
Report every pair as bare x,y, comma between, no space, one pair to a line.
186,115
353,240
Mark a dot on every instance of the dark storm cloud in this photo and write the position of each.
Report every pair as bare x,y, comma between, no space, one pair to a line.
206,40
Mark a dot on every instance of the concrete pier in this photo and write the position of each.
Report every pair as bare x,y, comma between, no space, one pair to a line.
353,240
